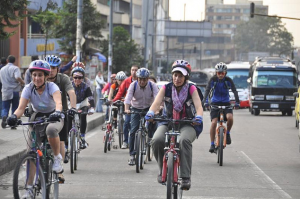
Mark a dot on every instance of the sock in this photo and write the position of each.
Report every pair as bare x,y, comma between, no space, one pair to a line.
228,132
82,135
66,147
58,156
212,143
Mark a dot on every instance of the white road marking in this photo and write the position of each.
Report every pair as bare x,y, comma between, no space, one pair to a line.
266,178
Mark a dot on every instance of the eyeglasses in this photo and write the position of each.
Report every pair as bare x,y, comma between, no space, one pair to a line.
77,77
113,79
221,73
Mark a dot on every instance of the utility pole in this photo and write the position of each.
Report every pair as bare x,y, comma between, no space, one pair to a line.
130,19
79,29
146,37
154,67
110,55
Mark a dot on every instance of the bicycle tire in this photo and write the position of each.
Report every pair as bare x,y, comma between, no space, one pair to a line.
120,131
20,177
106,141
149,149
170,175
72,151
77,149
221,147
137,150
143,150
52,187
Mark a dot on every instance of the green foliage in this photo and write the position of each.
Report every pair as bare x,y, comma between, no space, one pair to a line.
263,34
67,26
125,52
11,13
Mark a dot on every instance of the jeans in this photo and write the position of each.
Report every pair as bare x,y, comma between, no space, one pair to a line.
107,113
6,105
126,127
99,102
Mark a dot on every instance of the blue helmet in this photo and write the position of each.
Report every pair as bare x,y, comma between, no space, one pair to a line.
53,60
77,69
39,65
143,73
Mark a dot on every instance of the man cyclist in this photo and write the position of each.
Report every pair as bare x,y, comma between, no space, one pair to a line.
122,93
66,88
140,95
105,92
179,93
218,88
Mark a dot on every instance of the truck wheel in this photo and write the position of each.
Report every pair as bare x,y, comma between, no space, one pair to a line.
289,112
256,111
283,113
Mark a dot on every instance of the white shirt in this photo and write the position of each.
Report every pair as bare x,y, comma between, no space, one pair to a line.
8,76
99,81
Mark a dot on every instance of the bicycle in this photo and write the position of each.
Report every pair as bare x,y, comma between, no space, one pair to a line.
36,166
120,106
221,130
108,138
171,159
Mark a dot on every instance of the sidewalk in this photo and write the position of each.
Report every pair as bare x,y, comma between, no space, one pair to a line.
13,144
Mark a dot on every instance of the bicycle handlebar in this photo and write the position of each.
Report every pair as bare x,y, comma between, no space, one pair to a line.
162,119
221,107
42,120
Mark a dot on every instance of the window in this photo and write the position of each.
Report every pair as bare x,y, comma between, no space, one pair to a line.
282,79
137,11
237,18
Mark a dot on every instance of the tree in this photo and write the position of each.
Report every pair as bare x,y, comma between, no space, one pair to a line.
66,27
11,13
125,51
263,34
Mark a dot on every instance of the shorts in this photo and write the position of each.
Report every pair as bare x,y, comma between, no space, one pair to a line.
214,113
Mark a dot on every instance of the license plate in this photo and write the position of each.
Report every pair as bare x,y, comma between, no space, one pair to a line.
274,105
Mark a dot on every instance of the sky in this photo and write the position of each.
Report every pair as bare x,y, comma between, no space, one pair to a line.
194,10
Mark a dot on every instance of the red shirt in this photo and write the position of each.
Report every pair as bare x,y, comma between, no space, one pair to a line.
123,89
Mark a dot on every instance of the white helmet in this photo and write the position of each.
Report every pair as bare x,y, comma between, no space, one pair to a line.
221,67
121,76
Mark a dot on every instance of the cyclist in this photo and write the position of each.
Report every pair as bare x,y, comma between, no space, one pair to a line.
81,65
120,77
179,91
122,93
66,88
45,99
105,92
83,94
140,95
218,88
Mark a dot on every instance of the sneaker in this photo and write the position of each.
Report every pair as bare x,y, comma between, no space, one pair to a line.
28,194
3,123
67,157
131,161
228,139
124,145
61,178
83,143
212,148
159,180
13,128
57,164
185,184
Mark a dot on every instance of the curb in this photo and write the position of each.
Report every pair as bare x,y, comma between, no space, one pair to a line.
8,163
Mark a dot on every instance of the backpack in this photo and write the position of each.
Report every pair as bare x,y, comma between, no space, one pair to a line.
215,80
190,108
135,84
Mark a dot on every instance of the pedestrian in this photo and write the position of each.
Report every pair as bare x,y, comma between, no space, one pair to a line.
99,86
10,76
3,63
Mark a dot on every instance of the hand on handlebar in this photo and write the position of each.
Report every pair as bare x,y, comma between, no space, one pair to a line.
236,105
12,120
149,115
71,112
198,120
54,117
127,111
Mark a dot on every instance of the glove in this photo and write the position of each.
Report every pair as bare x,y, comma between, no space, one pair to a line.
149,115
27,112
91,111
237,105
206,104
12,120
71,112
198,119
107,103
55,116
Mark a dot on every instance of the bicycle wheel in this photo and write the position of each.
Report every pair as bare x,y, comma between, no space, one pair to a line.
137,150
106,141
109,141
120,131
72,150
221,147
170,172
149,149
25,173
52,187
77,149
143,150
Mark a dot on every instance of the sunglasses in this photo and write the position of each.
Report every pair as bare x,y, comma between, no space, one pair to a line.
220,73
77,77
113,79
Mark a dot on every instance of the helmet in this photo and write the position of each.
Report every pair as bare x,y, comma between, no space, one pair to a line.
182,64
39,65
121,76
220,67
142,73
53,60
113,76
78,64
77,69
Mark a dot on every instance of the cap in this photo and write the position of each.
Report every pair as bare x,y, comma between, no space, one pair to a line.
78,74
180,69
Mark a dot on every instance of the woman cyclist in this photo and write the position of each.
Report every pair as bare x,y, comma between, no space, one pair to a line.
179,90
84,97
120,77
45,99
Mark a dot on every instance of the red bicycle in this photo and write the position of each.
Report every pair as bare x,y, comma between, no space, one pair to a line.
171,159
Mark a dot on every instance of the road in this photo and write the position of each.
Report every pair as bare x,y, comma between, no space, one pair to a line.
263,161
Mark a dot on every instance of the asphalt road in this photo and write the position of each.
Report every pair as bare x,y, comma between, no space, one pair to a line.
263,161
